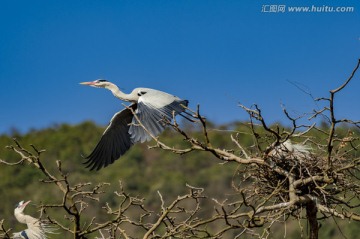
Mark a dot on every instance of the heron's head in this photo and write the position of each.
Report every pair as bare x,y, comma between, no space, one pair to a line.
98,83
21,206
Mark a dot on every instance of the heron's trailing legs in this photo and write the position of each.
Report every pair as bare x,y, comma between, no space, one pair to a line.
188,118
192,117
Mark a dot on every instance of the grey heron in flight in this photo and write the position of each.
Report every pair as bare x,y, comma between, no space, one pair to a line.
150,106
35,228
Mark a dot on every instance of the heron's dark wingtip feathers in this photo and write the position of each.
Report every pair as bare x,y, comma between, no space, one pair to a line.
89,162
102,161
114,143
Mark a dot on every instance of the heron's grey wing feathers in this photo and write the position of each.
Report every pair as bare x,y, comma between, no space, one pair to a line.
114,142
152,117
39,230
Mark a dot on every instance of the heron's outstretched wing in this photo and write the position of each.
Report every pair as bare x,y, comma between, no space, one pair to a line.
153,107
114,142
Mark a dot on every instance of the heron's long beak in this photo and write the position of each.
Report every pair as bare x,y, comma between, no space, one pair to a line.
87,83
26,203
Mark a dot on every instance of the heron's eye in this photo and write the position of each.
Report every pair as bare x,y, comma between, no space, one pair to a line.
140,93
101,80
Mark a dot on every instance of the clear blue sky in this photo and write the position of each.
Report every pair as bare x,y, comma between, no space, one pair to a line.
211,52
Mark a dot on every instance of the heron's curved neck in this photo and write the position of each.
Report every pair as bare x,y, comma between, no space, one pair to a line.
121,95
20,217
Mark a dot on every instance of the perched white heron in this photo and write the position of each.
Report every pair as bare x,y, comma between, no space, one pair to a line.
288,149
36,229
150,106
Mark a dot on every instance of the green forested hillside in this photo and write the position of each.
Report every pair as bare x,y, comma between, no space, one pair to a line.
142,171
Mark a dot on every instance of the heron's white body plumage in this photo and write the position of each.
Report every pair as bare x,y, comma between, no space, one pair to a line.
156,98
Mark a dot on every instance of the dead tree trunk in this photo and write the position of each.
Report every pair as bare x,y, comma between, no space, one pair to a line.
311,211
